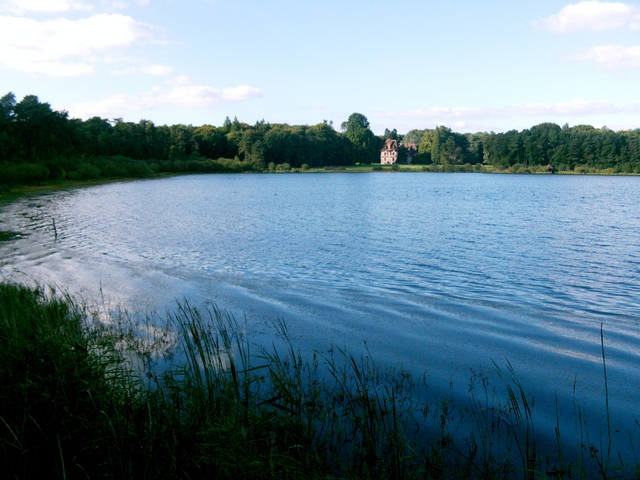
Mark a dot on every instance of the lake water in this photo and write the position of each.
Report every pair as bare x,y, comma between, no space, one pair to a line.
443,273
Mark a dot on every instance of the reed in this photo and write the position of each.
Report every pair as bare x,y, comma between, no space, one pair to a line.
86,394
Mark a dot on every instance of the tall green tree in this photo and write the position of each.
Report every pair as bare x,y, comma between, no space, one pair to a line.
357,131
7,105
39,130
448,147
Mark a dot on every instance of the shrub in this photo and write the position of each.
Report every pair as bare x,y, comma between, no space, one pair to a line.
23,173
88,171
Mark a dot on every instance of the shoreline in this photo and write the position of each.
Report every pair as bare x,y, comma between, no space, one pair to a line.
20,191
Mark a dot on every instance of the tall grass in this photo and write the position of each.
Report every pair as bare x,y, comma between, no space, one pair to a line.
89,395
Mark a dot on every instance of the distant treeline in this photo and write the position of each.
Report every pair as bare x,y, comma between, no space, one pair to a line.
580,148
38,144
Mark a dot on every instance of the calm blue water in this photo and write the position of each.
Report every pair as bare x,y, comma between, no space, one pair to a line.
442,272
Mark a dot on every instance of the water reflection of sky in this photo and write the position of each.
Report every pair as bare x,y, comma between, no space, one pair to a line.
440,271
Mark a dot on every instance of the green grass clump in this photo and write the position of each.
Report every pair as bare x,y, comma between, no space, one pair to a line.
5,235
85,398
60,384
85,394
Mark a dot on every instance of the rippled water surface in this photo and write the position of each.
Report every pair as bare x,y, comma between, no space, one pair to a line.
443,272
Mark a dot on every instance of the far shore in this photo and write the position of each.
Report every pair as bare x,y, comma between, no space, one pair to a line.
18,191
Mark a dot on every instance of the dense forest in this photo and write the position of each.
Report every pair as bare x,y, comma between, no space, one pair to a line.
38,144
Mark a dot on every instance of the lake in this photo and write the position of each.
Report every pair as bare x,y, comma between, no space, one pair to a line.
443,273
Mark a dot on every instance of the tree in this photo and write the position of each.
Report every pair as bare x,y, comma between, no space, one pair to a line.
356,130
392,134
183,143
414,136
211,141
246,149
40,131
448,147
7,104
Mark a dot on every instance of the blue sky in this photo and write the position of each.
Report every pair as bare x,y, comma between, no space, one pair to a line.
470,65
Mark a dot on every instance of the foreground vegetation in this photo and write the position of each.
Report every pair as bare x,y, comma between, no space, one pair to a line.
38,144
91,395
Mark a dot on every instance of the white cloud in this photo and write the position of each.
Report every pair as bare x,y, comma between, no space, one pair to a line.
464,118
64,47
120,4
179,80
46,6
52,69
612,57
159,70
199,96
577,107
594,16
186,96
314,106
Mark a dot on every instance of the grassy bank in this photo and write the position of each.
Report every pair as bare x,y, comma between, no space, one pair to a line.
14,191
17,191
84,394
458,168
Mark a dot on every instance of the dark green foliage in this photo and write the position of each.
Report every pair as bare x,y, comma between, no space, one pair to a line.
5,235
80,398
72,405
38,144
56,394
12,174
579,148
356,130
390,134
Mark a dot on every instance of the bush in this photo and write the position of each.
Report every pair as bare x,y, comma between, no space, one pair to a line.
23,173
88,171
56,170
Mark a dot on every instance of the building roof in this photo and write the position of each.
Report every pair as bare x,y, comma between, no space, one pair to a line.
409,146
390,145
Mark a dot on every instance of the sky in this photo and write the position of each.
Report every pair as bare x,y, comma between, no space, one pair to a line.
491,65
